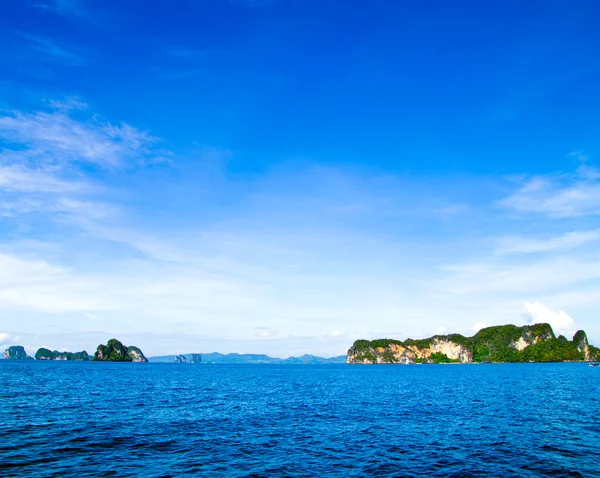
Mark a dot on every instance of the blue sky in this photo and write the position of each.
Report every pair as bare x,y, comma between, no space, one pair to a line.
288,176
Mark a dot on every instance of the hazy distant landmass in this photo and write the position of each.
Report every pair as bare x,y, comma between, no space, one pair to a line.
505,343
217,358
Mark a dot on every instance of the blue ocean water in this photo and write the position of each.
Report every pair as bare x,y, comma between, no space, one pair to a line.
102,419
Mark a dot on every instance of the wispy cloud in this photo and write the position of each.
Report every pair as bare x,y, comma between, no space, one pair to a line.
531,277
63,7
452,209
51,50
60,139
176,74
68,103
528,245
189,53
43,150
17,178
567,195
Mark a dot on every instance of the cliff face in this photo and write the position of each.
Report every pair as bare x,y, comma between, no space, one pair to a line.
46,354
507,343
16,352
435,349
136,354
115,351
581,342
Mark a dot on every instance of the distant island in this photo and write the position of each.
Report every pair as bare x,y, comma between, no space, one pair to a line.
113,351
46,354
246,359
505,343
16,352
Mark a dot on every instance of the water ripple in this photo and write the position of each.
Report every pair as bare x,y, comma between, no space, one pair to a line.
91,419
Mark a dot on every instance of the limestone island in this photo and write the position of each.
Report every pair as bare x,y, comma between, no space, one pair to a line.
504,343
46,354
16,352
115,351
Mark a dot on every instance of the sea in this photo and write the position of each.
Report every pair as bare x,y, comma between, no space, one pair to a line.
158,420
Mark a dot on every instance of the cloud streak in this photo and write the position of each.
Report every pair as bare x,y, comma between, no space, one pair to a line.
56,138
528,245
63,7
51,50
564,196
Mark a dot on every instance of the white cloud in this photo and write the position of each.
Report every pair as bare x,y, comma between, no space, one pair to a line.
337,333
69,103
40,165
479,325
18,178
452,209
495,275
56,138
51,50
63,7
560,321
569,195
526,245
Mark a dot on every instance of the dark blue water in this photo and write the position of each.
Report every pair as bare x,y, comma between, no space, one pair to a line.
64,418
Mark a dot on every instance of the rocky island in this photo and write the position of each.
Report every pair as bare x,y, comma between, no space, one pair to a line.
47,354
505,343
16,352
115,351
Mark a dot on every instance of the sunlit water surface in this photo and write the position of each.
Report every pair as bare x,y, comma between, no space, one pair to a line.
65,418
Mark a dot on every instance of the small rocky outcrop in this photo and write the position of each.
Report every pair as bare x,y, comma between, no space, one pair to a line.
47,354
196,358
115,351
581,342
136,354
16,352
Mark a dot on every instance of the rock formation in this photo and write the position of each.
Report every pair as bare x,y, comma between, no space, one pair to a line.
16,352
506,343
196,358
581,342
136,354
46,354
115,351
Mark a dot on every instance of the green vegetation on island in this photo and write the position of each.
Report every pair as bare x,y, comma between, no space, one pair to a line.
115,351
16,352
506,343
46,354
